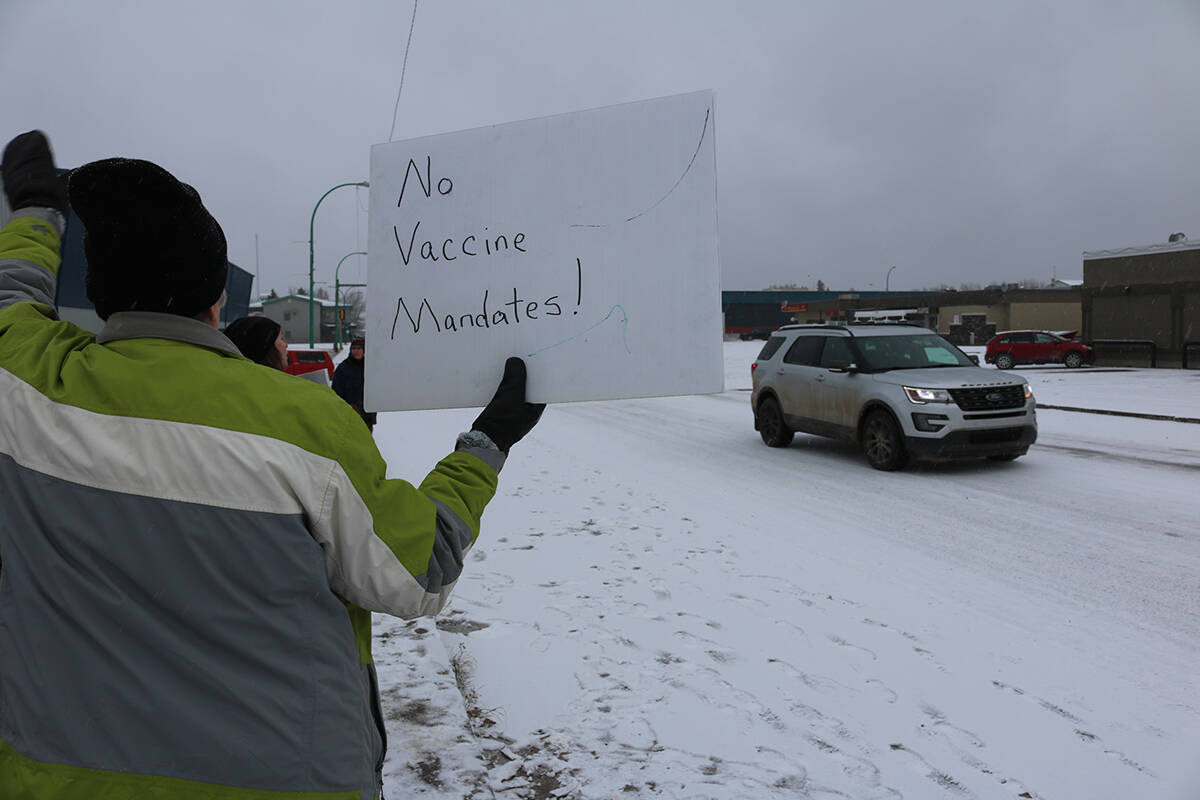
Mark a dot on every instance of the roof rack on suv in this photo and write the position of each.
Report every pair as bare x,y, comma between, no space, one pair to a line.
846,326
820,325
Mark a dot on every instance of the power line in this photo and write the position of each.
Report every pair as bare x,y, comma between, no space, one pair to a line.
403,69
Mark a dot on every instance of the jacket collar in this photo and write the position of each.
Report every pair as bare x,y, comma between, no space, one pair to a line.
156,325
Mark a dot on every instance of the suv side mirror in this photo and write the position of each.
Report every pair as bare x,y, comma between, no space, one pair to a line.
841,366
974,358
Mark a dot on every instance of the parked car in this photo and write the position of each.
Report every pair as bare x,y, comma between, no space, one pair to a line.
1009,348
897,391
316,365
756,333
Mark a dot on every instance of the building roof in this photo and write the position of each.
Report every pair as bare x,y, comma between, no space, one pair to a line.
303,298
1161,247
771,296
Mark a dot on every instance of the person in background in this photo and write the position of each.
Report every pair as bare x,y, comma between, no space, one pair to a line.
192,545
348,380
259,339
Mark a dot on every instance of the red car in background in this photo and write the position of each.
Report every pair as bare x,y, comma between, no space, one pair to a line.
1009,348
316,365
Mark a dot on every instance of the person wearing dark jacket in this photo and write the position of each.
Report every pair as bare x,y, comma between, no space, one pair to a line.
193,545
348,380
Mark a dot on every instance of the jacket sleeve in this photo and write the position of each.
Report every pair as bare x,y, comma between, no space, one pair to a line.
339,382
394,547
29,257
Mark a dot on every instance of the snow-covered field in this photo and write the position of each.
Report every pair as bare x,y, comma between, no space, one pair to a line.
661,606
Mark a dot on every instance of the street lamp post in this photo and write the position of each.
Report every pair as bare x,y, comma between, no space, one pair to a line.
886,278
311,223
337,298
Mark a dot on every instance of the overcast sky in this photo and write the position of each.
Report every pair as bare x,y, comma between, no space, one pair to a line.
960,141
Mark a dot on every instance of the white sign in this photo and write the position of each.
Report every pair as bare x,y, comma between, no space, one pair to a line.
585,243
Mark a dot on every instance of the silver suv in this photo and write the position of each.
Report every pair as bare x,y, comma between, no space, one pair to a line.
897,391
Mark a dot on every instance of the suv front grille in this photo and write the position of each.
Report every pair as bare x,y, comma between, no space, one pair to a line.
987,398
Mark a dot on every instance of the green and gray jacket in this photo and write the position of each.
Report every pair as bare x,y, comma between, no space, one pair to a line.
190,546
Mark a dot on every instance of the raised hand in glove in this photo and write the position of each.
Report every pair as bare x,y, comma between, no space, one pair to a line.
30,178
507,418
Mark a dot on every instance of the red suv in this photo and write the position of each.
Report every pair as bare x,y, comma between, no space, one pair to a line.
1009,348
306,362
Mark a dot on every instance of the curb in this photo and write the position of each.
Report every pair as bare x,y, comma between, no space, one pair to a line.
1165,417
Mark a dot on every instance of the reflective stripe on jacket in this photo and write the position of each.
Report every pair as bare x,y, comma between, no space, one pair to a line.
190,546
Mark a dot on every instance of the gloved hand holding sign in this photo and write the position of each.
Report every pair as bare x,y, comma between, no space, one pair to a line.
507,417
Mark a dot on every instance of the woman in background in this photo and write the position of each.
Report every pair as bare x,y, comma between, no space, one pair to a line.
348,381
259,339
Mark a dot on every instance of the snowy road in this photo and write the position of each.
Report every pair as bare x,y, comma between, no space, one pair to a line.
661,606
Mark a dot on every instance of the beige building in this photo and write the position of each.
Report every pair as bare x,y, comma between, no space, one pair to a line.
1017,309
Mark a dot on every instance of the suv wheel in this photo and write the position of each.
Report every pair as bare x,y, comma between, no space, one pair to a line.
1005,361
882,443
774,432
1073,359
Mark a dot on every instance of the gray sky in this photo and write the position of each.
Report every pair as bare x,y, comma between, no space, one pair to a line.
960,141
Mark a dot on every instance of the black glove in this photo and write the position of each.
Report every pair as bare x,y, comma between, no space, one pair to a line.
30,178
507,418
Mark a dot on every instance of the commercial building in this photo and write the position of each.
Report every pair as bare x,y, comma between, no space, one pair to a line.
1149,293
964,317
749,311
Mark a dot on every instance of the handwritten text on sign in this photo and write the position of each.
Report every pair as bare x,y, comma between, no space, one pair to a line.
472,245
584,243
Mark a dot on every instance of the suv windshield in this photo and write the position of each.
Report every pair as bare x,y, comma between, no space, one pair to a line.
918,351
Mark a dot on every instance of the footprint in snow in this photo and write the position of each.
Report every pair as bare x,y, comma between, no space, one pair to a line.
878,624
937,723
860,769
843,643
918,764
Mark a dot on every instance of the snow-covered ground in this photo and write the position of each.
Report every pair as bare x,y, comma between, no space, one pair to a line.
661,606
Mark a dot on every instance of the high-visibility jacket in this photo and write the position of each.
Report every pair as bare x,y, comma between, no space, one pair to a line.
190,548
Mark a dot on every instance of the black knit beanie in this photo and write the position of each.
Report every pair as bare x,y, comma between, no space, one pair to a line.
150,243
254,336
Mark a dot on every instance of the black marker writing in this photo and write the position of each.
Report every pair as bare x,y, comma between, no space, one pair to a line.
422,315
444,185
450,248
519,309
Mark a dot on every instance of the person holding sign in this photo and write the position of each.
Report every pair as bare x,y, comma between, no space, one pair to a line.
192,545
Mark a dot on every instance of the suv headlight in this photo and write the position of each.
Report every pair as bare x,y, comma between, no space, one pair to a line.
921,396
